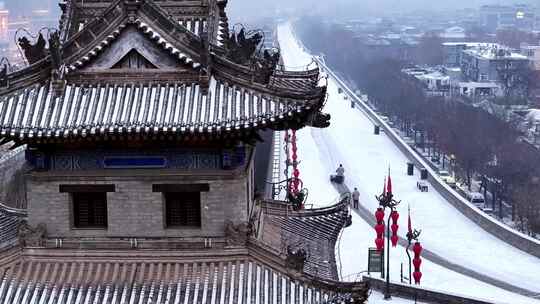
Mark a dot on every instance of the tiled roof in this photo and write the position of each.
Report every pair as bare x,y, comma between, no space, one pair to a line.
171,107
313,230
78,277
10,219
146,29
298,81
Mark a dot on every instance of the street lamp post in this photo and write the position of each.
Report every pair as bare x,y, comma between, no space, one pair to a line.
386,200
411,235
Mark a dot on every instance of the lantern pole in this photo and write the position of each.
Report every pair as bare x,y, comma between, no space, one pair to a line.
410,260
386,200
387,295
411,235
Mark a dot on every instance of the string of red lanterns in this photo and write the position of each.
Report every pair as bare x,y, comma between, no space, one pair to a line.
291,149
296,172
394,227
379,229
287,154
386,200
417,261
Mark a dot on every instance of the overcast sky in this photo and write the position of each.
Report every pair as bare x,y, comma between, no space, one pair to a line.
247,9
243,8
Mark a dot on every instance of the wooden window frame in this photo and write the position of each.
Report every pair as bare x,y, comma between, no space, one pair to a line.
75,190
185,222
170,190
92,223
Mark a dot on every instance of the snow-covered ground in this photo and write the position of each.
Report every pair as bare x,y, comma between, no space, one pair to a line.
378,298
446,231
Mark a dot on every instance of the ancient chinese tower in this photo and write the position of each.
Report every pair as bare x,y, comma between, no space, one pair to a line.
139,121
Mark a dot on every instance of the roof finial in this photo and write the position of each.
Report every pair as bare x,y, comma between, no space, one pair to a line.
132,6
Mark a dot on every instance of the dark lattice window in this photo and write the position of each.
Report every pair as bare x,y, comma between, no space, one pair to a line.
183,209
90,209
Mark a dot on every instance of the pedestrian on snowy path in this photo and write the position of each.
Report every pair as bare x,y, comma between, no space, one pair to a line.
355,198
340,174
340,170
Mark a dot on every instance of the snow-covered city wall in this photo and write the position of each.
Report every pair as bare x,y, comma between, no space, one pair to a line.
506,234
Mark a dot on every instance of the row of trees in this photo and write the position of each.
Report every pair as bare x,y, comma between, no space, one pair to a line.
483,145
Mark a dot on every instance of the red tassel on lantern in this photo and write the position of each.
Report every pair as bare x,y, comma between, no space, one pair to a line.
417,276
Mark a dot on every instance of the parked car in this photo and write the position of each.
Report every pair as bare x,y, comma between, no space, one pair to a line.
477,199
447,178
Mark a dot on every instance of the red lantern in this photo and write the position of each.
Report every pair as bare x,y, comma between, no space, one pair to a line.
394,228
417,276
417,262
417,249
379,228
395,216
394,239
379,243
379,215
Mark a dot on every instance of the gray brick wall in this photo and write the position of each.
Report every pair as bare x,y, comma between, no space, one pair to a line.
133,209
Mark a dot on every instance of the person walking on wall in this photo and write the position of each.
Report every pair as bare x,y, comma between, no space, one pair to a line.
355,198
340,174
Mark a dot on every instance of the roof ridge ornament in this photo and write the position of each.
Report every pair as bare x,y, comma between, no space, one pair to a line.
5,70
131,7
58,82
33,52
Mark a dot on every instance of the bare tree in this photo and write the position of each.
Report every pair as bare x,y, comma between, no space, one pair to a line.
430,50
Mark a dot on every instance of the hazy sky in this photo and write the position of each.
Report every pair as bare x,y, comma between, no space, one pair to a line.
243,8
247,9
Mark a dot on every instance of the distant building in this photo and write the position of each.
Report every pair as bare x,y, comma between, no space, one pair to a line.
479,70
433,81
391,46
486,63
519,16
478,90
533,54
496,64
453,52
455,33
